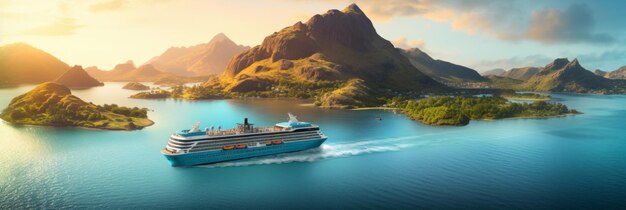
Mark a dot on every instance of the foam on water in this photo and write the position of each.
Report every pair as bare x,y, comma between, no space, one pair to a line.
328,151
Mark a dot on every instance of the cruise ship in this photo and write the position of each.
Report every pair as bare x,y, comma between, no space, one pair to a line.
194,146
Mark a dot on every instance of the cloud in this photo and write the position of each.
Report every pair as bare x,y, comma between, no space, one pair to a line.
511,20
513,62
60,27
403,43
107,5
575,24
114,5
607,60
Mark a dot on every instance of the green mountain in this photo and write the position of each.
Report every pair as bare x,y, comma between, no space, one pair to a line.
521,73
324,54
439,70
52,104
77,77
21,63
565,76
199,60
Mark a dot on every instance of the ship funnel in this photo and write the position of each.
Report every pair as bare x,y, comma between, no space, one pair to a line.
292,118
245,121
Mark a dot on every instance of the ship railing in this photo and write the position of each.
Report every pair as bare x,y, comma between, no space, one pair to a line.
192,146
236,131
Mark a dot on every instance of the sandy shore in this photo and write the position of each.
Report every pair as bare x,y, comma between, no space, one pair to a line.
374,108
527,99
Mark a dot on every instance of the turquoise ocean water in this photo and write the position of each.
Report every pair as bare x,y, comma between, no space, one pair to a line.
568,162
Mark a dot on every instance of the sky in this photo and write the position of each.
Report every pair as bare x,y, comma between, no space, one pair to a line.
481,34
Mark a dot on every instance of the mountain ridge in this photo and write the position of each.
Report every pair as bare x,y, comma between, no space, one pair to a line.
441,70
198,60
21,63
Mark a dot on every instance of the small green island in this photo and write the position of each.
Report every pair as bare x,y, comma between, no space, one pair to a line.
195,92
526,96
135,86
52,104
447,110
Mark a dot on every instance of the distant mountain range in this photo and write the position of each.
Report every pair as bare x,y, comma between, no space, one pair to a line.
439,70
616,74
76,77
523,74
128,72
200,60
496,72
563,75
21,63
338,46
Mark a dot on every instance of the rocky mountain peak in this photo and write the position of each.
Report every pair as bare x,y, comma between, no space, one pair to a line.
353,8
573,64
219,37
350,27
556,64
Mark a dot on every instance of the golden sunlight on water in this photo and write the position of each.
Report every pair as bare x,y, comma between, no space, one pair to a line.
24,153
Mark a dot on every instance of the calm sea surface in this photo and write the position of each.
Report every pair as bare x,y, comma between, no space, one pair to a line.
568,162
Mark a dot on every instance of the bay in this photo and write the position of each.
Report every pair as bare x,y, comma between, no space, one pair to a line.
566,162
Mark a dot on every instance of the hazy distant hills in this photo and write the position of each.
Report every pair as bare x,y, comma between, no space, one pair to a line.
21,63
128,72
76,77
502,82
617,74
524,73
599,72
200,60
496,72
441,70
337,46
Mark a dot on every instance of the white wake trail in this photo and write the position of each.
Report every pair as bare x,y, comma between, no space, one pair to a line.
327,151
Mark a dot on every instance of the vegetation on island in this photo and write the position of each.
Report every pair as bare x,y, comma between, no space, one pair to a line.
446,110
195,92
152,94
353,94
525,96
179,80
52,104
135,86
